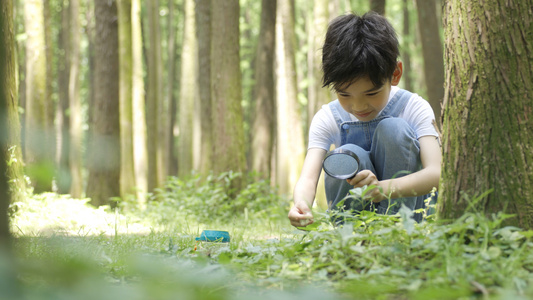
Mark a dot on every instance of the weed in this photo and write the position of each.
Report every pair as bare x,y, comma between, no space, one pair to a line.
66,249
210,198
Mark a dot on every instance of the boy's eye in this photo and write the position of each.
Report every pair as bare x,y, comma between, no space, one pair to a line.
372,94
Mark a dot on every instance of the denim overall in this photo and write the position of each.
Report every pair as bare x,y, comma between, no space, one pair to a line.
386,145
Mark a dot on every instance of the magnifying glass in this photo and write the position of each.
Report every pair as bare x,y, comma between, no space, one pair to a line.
341,164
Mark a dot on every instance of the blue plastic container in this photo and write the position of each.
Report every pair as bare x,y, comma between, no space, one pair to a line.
214,236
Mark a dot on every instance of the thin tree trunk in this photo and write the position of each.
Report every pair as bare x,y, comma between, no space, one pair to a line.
37,146
262,134
203,35
140,152
226,93
432,52
163,113
49,103
488,116
76,121
188,92
317,95
64,178
379,6
127,170
406,51
90,28
171,158
334,9
290,149
9,125
154,97
20,50
104,148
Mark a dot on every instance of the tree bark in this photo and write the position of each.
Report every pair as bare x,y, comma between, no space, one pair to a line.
488,117
171,158
226,94
406,51
140,152
163,113
317,95
76,121
8,110
379,6
262,135
37,142
104,148
154,98
428,26
64,178
50,103
290,149
188,92
127,170
203,36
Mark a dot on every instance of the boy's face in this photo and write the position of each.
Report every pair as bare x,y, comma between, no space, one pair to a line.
363,99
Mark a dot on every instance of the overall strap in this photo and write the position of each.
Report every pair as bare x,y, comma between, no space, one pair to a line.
397,104
338,112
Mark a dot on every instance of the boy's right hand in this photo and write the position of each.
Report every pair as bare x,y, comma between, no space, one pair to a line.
300,214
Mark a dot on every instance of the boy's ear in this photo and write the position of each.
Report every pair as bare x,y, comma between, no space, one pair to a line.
397,75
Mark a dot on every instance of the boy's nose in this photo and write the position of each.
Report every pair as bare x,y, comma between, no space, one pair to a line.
359,106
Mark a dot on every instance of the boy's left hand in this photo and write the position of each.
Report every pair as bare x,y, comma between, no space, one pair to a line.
366,177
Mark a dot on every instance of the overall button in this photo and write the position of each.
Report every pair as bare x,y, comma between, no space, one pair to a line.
345,126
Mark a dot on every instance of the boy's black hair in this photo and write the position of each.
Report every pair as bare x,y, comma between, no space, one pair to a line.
358,46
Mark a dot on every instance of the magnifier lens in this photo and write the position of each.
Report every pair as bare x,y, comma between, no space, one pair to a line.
341,164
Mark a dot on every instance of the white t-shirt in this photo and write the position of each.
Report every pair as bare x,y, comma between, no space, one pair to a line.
324,130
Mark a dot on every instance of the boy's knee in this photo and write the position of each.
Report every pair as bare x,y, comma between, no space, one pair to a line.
360,152
394,129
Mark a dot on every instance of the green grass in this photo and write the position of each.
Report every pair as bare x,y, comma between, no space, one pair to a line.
66,249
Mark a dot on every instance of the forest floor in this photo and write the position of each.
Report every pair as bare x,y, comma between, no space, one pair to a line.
67,249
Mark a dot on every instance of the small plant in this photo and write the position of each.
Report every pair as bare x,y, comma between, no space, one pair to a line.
369,256
211,198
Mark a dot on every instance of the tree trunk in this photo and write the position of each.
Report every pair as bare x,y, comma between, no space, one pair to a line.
8,103
317,95
488,117
76,121
334,9
37,142
432,52
50,101
171,158
127,170
64,178
226,94
379,6
290,149
140,152
188,92
203,36
262,135
163,114
104,148
406,51
90,28
154,97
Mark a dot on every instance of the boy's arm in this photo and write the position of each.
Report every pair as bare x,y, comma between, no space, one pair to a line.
305,189
421,182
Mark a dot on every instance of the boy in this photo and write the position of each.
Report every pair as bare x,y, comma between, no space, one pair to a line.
389,129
